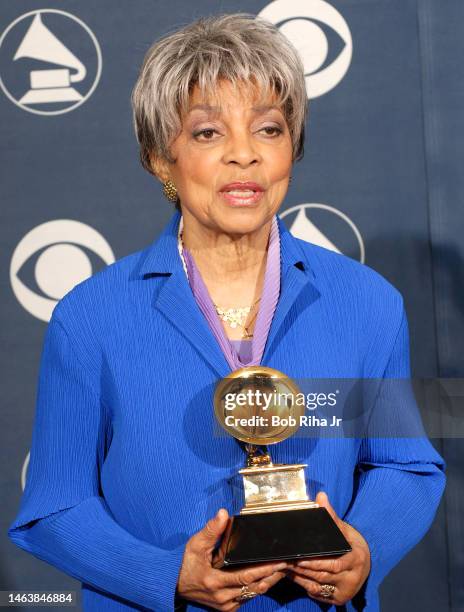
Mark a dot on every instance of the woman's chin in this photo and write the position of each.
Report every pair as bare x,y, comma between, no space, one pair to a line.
245,224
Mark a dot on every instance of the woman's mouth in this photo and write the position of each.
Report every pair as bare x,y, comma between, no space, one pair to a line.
242,195
242,198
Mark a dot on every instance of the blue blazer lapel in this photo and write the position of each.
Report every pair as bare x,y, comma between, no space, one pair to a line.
176,302
175,299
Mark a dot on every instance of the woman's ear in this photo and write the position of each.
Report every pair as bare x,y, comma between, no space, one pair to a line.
159,167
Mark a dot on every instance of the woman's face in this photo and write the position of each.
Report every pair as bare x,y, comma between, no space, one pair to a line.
225,140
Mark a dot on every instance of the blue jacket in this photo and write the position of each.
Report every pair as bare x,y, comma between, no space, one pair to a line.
125,463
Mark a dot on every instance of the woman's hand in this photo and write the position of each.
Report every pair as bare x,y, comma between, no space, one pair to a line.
346,573
200,582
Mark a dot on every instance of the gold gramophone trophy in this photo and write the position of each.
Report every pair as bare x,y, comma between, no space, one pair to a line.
256,405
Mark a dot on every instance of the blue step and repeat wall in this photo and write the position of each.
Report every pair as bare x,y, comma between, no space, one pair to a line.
381,181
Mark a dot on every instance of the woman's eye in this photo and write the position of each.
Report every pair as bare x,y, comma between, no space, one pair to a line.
207,133
272,130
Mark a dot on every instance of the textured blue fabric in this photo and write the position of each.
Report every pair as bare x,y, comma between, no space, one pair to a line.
126,461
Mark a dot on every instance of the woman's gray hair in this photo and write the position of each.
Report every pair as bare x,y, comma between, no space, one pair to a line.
236,47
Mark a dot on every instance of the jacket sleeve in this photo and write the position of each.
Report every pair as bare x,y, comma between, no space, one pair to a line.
400,480
62,518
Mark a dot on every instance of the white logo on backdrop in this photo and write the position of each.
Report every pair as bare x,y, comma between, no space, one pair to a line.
302,227
60,266
293,17
52,85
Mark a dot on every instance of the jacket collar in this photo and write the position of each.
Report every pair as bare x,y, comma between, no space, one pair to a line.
175,300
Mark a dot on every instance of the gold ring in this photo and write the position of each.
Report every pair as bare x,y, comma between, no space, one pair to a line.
245,594
327,590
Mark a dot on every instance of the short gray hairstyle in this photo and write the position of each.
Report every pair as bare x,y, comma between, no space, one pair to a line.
236,47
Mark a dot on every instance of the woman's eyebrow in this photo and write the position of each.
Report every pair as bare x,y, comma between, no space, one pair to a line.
205,107
265,108
216,110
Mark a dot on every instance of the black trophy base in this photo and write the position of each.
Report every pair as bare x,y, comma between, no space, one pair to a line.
272,536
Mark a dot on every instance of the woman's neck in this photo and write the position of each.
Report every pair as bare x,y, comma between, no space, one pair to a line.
232,267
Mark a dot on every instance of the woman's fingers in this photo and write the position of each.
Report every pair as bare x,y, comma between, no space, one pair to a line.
246,576
260,587
332,565
321,577
266,583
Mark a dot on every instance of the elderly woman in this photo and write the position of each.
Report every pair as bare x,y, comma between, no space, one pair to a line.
129,488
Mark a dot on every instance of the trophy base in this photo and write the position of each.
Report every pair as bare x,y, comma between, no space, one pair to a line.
276,536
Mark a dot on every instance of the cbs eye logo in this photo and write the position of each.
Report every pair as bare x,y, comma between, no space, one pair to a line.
300,21
63,262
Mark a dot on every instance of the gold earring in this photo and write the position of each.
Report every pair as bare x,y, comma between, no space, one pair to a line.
170,191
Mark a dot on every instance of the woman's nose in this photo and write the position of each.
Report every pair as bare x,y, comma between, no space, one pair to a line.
241,150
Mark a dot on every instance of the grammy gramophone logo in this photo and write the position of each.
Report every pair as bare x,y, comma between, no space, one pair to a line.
50,62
